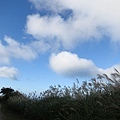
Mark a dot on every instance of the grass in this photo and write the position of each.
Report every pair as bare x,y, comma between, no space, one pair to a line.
98,99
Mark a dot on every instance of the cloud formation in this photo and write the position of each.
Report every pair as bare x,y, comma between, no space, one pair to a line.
87,20
13,49
67,23
19,50
70,65
9,72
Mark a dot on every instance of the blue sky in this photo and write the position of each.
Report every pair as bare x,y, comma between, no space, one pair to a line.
45,42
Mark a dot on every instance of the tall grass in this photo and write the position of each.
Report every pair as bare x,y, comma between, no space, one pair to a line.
98,99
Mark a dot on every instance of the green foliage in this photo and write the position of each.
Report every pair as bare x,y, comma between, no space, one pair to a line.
98,99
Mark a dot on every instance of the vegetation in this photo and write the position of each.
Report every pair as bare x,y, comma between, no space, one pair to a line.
98,99
7,92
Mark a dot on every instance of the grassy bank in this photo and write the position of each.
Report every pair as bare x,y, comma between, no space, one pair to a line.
98,99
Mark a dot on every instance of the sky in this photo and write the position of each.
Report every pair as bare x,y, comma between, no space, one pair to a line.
51,42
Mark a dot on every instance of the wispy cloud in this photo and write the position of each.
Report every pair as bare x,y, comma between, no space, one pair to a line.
19,50
14,49
70,65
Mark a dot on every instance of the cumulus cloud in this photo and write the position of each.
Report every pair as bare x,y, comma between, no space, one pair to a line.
66,33
9,72
50,29
87,20
70,65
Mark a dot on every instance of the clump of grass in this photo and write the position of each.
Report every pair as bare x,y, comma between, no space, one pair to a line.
98,99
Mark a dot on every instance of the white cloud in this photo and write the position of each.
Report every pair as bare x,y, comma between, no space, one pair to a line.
9,72
55,29
70,65
4,55
110,70
14,49
19,50
50,29
89,19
